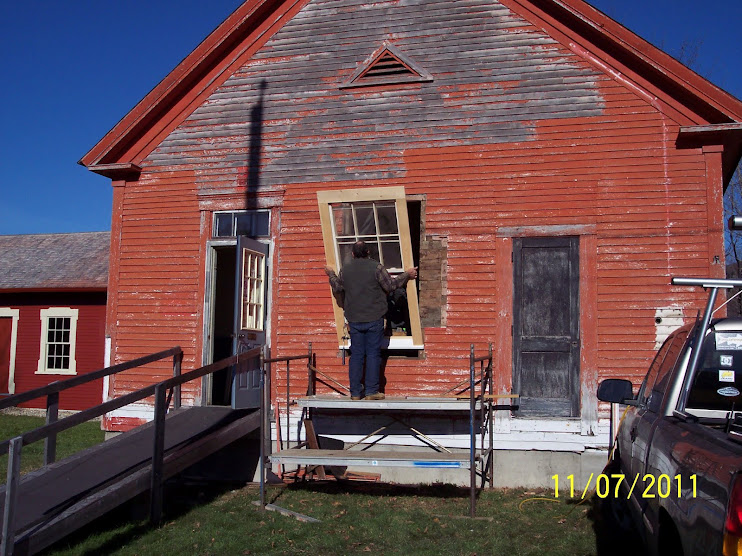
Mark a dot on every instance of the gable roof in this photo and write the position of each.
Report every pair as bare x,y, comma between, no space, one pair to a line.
47,262
589,32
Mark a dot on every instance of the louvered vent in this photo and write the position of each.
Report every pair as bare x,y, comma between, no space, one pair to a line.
387,66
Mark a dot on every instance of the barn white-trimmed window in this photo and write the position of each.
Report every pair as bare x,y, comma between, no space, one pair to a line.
58,341
379,217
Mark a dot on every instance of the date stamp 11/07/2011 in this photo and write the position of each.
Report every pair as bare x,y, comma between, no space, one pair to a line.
646,486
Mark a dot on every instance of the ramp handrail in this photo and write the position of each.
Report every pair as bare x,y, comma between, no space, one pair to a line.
51,391
162,402
61,385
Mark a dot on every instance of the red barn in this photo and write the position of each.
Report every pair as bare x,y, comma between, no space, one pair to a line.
548,170
52,313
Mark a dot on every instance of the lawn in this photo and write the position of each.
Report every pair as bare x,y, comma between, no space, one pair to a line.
32,456
354,518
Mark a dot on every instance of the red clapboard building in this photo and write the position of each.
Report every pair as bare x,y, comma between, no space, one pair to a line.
548,171
53,313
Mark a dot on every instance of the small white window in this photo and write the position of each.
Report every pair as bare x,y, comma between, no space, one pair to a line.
58,339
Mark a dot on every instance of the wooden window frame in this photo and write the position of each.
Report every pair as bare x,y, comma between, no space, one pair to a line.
325,200
57,312
252,291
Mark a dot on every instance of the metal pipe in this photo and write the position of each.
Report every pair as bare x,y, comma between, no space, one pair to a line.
696,356
262,432
491,470
707,282
11,495
177,362
472,405
158,453
52,414
288,404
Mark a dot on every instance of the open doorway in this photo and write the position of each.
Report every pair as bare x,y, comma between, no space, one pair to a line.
222,318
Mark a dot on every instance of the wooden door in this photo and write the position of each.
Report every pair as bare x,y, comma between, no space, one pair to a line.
249,319
6,331
546,344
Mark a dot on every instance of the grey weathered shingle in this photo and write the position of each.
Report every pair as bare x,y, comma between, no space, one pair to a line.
54,261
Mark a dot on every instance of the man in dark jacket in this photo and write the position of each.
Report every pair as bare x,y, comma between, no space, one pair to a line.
365,284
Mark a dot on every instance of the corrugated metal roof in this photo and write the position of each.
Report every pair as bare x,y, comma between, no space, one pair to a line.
54,261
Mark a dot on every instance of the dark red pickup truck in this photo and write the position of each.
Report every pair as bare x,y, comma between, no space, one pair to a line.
676,466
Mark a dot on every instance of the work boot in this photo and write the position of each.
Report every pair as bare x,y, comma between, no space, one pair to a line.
356,398
375,396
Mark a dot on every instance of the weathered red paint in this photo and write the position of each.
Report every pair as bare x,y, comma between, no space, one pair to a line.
610,172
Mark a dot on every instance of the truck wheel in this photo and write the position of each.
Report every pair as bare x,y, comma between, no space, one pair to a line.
668,540
616,513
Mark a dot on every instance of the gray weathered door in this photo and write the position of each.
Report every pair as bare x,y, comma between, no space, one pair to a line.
249,319
546,344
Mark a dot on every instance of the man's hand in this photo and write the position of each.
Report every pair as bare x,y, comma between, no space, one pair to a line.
329,271
412,273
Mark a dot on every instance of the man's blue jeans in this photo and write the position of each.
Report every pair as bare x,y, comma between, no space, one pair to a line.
365,346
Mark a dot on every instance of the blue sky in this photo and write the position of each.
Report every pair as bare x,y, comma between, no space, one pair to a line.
72,68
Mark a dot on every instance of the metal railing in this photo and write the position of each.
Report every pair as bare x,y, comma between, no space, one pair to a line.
467,388
51,391
165,392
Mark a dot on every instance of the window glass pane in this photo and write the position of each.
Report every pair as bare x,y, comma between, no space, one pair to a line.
64,362
344,252
261,224
243,224
223,225
392,254
373,248
387,215
343,217
365,220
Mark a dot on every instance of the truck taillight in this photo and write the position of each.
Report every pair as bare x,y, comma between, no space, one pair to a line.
733,524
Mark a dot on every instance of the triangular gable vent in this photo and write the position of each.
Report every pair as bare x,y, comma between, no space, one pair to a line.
387,66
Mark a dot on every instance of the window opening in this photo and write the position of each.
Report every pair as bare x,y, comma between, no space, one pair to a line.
380,217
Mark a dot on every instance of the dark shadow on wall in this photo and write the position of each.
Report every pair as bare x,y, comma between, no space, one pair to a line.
255,148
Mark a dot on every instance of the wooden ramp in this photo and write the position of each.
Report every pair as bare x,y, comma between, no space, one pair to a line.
62,497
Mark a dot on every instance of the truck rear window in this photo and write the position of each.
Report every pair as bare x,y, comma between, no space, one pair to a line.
718,380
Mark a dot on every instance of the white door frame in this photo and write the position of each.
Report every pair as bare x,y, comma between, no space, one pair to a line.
15,315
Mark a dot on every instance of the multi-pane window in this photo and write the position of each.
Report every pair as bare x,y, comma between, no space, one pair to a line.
253,290
251,223
372,222
379,217
58,338
58,343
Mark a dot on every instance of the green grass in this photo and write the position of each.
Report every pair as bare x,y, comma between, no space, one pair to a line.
355,518
32,456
